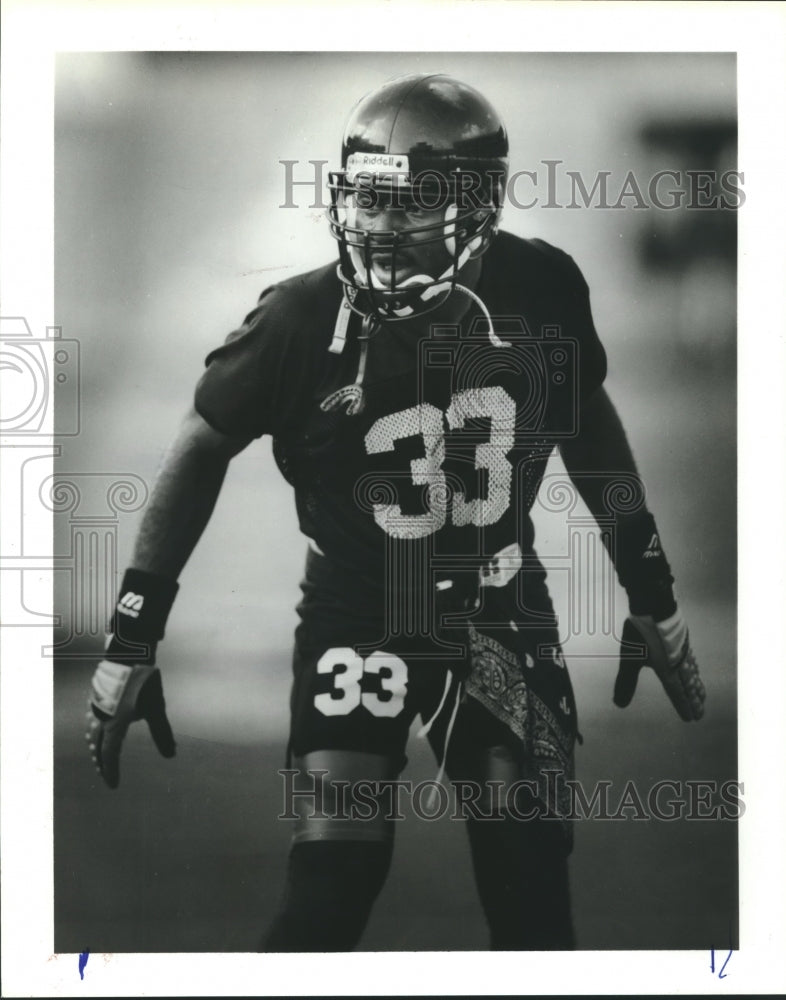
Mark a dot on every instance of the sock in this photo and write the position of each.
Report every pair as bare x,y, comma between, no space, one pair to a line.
331,887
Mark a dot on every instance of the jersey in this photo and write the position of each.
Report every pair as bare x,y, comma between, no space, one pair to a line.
450,448
430,485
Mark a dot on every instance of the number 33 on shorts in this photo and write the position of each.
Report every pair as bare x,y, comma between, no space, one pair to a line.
347,694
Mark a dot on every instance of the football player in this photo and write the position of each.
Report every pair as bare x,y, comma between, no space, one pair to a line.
414,393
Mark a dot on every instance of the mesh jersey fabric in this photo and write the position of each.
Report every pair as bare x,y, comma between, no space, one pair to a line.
466,419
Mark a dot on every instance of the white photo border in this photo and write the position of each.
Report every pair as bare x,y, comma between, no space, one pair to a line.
33,32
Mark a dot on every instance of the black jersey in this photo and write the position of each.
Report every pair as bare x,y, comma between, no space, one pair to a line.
442,465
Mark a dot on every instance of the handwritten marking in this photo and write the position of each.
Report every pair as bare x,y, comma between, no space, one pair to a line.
721,973
83,957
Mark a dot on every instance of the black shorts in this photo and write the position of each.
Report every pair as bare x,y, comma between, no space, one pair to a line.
358,687
345,698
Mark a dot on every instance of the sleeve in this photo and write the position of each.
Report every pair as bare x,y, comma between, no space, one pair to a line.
602,446
573,295
591,361
251,383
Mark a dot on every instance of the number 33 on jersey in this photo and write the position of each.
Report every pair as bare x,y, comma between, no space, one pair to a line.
443,500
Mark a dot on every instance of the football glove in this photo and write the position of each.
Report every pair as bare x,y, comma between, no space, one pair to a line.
122,694
668,651
126,684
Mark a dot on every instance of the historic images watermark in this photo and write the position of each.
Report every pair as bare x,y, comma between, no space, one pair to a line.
310,794
551,185
41,410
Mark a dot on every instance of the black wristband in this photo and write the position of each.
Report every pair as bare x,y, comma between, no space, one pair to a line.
656,599
140,617
642,567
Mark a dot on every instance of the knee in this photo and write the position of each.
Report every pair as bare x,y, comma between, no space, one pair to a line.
520,858
338,862
325,794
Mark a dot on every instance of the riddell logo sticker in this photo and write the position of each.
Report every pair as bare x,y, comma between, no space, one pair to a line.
653,549
131,604
387,164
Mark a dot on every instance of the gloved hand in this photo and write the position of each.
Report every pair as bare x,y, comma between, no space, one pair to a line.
126,684
122,694
668,652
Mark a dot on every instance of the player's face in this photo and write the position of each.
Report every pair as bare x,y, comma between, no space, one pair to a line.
424,253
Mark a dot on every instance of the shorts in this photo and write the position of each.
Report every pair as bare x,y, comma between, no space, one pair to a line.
358,688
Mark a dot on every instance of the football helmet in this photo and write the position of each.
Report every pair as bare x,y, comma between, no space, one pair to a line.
425,140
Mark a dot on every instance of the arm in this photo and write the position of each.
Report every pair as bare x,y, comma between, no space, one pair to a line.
185,493
598,452
126,684
595,458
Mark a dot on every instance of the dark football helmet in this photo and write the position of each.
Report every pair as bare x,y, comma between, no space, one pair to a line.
425,140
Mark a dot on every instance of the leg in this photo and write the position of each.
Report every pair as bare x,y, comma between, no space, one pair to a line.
337,866
521,870
520,865
331,887
350,719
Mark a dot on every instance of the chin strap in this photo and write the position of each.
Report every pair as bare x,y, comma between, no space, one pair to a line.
495,340
352,396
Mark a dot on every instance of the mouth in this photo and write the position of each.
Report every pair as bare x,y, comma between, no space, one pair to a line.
385,266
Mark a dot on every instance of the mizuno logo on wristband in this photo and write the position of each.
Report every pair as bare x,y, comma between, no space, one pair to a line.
653,550
130,604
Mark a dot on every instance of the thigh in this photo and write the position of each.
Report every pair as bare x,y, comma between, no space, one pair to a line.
519,695
516,723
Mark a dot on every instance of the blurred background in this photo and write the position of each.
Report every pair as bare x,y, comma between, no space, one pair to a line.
168,224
